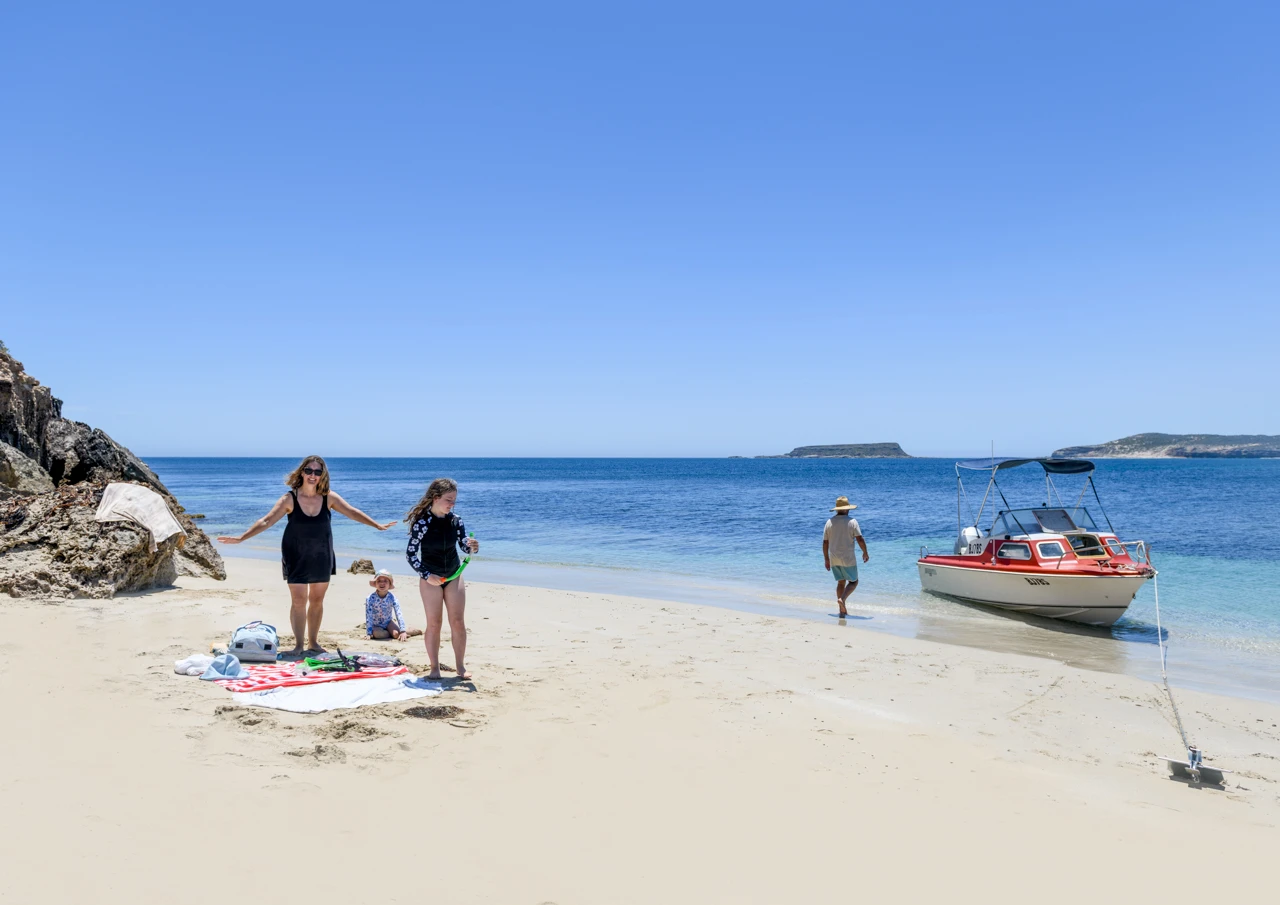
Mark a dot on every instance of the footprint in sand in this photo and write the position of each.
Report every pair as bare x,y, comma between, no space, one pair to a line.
349,730
436,712
323,754
244,717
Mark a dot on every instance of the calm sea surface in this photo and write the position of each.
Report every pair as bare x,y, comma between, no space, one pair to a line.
747,533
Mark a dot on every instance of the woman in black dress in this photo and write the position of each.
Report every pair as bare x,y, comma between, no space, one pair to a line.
307,549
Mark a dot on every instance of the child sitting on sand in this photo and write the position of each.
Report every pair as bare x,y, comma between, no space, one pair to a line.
382,616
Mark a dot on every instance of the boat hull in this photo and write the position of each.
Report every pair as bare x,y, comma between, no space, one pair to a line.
1090,599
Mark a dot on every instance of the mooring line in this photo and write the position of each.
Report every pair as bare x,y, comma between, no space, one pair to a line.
1164,671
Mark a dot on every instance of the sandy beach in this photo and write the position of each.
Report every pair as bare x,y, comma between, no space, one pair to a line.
609,749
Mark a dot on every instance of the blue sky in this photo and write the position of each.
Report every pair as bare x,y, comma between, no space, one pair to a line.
606,229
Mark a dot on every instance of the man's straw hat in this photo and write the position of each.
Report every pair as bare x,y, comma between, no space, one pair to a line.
383,573
842,505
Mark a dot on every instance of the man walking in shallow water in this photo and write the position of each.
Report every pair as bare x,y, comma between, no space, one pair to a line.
838,537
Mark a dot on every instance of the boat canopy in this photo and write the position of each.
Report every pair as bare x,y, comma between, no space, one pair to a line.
1051,466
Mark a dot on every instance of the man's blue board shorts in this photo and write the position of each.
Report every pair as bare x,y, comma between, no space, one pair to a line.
844,573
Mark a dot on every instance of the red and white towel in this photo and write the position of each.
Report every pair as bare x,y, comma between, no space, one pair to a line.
263,676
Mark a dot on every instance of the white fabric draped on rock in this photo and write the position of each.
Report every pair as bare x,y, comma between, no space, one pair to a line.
142,506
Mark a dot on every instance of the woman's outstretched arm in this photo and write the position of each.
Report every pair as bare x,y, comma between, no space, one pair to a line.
338,504
277,512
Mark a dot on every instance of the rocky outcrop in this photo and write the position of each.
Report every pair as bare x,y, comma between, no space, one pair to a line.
845,451
52,475
51,546
361,567
21,475
1179,446
26,408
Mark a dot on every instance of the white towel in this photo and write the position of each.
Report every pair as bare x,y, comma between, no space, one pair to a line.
194,665
339,695
142,506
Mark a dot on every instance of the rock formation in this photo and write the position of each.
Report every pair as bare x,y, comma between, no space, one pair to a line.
361,567
52,474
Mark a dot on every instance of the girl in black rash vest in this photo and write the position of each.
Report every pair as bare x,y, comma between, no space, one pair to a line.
435,536
307,548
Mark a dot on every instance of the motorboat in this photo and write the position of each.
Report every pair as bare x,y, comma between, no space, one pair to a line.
1049,560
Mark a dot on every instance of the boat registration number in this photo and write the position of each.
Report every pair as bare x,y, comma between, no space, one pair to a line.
1039,581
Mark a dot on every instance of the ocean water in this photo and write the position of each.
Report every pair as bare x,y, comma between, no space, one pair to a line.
747,533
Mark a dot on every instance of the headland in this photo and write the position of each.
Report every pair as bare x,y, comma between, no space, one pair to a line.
1179,446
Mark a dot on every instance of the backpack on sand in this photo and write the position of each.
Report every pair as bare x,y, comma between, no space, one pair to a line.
255,643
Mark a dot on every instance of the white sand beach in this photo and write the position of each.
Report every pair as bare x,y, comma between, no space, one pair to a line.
609,749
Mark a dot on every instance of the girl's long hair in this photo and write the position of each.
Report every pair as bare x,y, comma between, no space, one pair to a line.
294,478
438,488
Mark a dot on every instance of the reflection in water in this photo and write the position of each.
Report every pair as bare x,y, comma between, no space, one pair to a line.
1089,647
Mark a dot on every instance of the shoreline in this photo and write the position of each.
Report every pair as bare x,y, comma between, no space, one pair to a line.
614,749
1196,667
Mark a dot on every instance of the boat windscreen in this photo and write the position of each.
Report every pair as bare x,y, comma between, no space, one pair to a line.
1018,522
1082,519
1055,521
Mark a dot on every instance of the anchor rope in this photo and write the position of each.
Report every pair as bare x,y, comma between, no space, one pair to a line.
1164,672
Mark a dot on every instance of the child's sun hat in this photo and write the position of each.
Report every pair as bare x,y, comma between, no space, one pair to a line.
383,573
843,505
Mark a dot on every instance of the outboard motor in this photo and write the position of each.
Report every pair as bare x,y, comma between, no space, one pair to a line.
970,542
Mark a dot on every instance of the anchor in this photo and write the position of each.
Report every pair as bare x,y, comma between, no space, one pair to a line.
1194,769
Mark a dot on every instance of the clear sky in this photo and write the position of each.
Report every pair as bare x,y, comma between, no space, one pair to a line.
650,229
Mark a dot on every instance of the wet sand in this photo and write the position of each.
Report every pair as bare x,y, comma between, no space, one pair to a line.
609,749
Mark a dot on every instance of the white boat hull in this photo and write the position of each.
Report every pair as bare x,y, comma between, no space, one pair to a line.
1088,599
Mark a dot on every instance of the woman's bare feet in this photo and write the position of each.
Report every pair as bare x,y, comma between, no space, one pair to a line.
462,673
316,647
434,674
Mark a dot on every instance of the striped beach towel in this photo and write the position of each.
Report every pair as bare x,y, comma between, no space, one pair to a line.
284,675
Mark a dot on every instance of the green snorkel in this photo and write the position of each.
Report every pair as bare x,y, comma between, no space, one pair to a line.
465,562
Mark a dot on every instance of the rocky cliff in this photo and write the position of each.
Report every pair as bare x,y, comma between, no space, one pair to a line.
845,451
1179,446
52,474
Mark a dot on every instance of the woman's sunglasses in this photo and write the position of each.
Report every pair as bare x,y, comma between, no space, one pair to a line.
315,471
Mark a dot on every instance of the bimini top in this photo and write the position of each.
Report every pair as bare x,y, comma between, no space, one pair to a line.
1053,466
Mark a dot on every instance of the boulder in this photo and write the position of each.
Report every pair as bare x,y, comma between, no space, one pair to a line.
361,567
52,475
73,452
20,474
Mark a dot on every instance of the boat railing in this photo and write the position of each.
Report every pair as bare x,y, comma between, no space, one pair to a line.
924,550
1139,546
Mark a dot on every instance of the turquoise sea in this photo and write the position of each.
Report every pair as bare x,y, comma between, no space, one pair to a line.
747,533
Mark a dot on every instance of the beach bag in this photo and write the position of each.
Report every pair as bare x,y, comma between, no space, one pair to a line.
255,643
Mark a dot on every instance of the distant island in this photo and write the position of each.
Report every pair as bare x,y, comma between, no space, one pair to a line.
845,451
1179,446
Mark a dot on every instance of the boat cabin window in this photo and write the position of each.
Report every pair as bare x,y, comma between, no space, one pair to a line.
1015,551
1051,550
1116,548
1087,545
